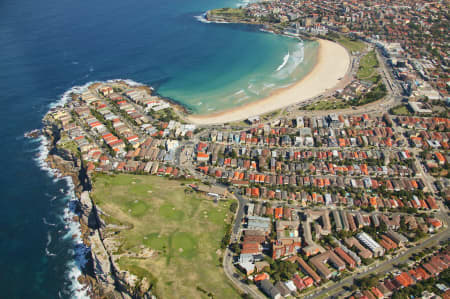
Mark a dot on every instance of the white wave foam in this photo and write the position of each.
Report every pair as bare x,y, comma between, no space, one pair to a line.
47,223
33,150
285,60
42,156
49,240
73,228
202,18
48,253
79,252
266,31
75,62
253,89
269,85
292,62
220,22
239,92
244,3
127,81
66,96
242,99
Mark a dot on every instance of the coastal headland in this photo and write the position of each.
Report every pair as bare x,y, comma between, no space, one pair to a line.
336,188
87,136
333,63
103,121
104,126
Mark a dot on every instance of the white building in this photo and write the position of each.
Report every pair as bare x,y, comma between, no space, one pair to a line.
370,243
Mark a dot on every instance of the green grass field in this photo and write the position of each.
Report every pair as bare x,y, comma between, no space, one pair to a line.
328,104
401,110
351,45
66,143
229,12
368,67
184,228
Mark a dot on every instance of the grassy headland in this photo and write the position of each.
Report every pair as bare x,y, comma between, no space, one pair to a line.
233,15
184,229
228,12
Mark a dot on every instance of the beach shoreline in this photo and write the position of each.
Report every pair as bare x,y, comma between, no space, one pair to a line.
333,63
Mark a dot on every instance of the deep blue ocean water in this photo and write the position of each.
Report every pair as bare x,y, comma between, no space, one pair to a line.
48,46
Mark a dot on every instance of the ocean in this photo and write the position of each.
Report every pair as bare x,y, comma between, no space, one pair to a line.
49,46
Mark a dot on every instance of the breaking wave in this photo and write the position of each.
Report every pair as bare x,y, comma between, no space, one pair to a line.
285,60
127,81
49,240
66,96
47,223
290,62
72,227
244,3
202,18
242,99
239,92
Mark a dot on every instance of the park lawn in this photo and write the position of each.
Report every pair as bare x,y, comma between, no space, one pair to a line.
351,45
185,229
68,144
401,110
328,104
368,67
165,115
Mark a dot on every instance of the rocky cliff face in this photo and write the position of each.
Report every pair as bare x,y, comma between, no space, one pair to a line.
101,274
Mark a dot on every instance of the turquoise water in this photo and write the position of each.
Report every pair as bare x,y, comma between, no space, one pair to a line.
225,80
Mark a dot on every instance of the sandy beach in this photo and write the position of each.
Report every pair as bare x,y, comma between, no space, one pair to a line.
333,62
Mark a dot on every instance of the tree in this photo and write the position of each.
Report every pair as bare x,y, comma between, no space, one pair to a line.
233,207
382,227
236,248
367,282
234,154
